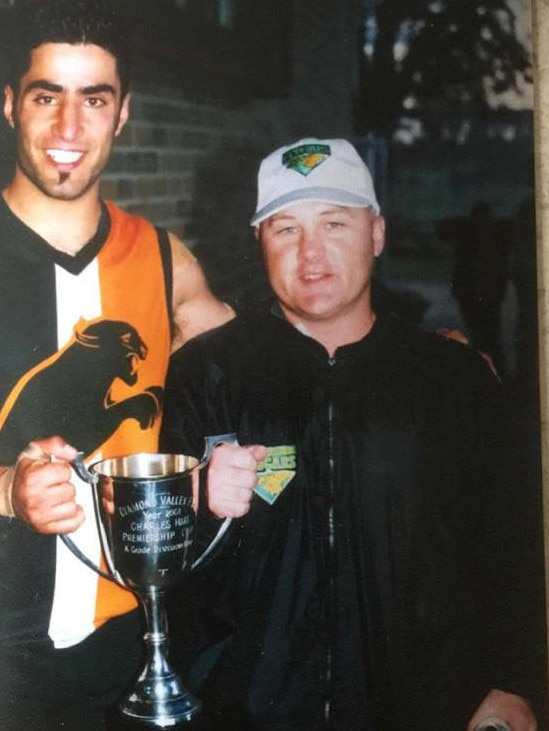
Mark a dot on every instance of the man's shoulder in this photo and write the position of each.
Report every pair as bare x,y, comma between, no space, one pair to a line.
11,225
244,327
416,338
121,219
234,342
132,239
435,355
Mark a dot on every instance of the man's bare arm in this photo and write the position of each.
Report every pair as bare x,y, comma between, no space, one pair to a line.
195,308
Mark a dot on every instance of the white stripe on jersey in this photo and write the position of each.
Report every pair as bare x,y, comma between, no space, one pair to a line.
75,592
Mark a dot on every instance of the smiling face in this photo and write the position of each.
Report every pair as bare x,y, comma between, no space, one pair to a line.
319,260
66,116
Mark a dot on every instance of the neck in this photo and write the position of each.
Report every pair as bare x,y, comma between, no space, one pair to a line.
334,333
67,225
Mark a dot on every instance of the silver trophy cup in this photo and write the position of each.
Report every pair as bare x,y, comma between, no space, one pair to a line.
143,505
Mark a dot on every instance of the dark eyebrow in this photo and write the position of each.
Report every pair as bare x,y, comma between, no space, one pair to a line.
44,85
57,88
98,89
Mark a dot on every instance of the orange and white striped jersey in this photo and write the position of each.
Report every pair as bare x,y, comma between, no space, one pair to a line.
89,343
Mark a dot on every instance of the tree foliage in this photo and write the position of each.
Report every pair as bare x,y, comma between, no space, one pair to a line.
430,57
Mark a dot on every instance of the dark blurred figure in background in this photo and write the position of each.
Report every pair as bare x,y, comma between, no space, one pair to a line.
480,275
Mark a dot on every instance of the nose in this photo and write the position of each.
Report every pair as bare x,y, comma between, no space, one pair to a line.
67,120
311,245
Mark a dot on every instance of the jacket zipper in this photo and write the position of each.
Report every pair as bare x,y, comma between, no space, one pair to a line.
331,553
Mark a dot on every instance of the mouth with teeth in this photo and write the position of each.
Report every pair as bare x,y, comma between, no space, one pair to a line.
64,157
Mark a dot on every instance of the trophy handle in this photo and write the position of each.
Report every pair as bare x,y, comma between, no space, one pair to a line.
83,472
210,443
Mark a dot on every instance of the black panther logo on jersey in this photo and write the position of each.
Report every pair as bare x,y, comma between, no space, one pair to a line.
70,394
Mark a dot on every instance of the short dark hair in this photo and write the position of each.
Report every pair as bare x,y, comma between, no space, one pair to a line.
99,22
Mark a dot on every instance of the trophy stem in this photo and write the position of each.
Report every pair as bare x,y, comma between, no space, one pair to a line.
158,698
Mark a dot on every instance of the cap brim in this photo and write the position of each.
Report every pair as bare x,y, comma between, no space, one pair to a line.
324,195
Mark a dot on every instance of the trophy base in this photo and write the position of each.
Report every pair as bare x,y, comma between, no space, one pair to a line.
160,703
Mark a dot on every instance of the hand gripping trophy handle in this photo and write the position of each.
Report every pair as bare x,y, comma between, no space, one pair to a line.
143,507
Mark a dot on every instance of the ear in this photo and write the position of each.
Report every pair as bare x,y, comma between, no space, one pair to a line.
8,105
378,234
124,114
256,233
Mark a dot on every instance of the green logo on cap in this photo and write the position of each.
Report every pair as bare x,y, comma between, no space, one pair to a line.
305,158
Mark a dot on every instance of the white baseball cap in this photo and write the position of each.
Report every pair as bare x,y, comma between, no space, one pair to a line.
330,171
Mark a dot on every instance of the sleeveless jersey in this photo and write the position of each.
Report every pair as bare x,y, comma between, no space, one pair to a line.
84,348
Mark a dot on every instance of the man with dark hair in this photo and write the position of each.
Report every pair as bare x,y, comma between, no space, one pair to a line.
92,302
374,580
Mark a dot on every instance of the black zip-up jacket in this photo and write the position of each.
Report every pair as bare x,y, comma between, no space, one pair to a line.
374,593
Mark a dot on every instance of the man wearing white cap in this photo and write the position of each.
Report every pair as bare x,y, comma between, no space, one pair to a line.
362,590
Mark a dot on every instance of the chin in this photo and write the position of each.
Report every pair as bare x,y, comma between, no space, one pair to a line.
319,307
